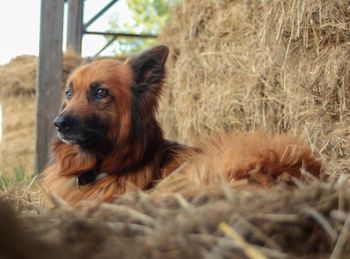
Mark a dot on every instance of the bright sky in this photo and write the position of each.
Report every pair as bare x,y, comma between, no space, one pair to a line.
20,26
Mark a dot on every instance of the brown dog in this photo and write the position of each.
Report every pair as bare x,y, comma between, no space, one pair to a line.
109,141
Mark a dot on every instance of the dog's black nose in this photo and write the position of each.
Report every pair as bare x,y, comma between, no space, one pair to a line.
63,123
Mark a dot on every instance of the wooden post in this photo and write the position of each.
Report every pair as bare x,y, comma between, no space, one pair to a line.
48,90
75,25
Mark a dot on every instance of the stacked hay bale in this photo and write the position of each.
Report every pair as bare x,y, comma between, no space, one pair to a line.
279,65
17,97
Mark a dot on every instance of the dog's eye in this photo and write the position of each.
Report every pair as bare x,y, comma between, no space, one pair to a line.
101,93
69,94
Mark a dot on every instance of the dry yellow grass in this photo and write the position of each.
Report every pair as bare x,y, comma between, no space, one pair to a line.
213,223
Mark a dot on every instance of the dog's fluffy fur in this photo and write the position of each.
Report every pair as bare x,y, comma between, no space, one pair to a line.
110,143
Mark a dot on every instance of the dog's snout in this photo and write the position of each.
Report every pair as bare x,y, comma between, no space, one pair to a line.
63,123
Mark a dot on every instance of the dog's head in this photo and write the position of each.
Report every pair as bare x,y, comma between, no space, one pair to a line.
106,101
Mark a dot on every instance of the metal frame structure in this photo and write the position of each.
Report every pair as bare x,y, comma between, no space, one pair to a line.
77,29
50,62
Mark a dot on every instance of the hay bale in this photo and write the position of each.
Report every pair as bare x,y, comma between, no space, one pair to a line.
17,97
17,144
18,76
214,223
278,65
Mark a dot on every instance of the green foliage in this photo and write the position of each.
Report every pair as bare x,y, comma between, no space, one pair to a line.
147,17
150,15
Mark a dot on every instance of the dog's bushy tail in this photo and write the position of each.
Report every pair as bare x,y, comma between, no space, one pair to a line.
258,158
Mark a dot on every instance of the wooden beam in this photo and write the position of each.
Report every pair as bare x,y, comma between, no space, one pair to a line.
49,76
75,25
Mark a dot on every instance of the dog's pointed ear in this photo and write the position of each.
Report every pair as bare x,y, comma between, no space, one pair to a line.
149,67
